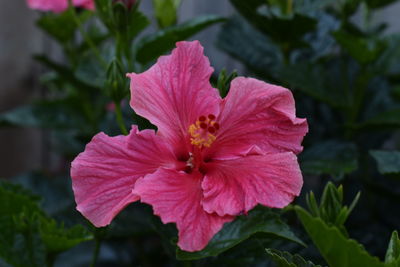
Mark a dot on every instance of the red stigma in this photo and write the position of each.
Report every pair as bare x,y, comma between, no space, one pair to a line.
211,117
216,126
203,125
202,118
211,129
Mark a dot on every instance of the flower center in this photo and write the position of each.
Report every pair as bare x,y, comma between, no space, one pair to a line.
203,131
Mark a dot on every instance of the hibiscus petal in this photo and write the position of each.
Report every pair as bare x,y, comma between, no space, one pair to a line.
104,175
236,186
48,5
176,91
88,4
261,114
59,6
176,197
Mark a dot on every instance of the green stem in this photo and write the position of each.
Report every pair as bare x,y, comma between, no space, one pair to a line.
87,39
96,252
120,119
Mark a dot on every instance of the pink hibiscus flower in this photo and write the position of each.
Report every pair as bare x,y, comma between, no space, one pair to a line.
211,158
59,6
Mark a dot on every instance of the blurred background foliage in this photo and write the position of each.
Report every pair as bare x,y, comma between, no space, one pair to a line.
345,75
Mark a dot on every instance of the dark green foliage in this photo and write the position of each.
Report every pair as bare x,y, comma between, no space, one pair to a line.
345,80
31,238
336,248
243,42
152,46
331,209
285,259
260,220
51,24
333,157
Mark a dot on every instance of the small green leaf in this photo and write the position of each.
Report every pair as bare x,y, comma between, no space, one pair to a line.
285,259
388,161
260,220
360,48
117,86
152,46
166,12
331,209
224,81
61,26
393,251
58,239
332,157
337,250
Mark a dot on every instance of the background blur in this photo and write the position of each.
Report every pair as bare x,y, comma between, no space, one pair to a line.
26,149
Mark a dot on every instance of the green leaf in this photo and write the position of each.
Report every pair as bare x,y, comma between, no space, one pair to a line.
128,22
20,116
66,73
350,6
61,26
224,82
362,49
152,46
260,220
15,199
388,161
248,45
28,236
393,251
117,86
20,245
389,118
166,12
319,80
332,157
57,239
285,259
57,114
337,250
286,30
138,22
379,3
331,209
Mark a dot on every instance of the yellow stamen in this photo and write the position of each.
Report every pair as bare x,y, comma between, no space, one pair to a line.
202,137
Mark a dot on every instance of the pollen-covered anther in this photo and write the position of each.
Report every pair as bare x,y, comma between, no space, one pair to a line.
203,131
